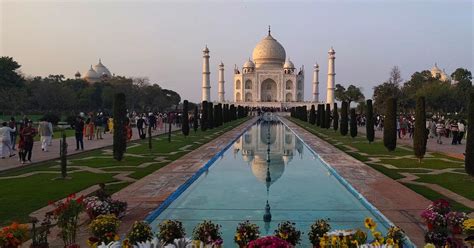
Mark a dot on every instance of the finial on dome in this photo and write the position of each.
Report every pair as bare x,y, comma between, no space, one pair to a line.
269,30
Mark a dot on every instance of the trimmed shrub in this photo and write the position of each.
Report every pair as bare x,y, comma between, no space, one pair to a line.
210,115
120,133
469,159
369,124
335,118
196,119
185,119
390,125
344,119
327,116
312,115
419,138
353,123
204,115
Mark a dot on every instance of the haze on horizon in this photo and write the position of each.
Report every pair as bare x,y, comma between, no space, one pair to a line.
164,40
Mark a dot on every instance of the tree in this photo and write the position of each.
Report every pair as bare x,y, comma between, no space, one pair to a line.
185,119
390,124
369,125
353,123
120,115
352,94
304,113
210,115
469,157
327,116
312,115
344,118
196,118
420,135
9,77
204,116
318,116
322,115
388,89
335,118
63,155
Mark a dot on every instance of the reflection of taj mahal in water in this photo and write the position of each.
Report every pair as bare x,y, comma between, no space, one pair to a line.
254,148
269,80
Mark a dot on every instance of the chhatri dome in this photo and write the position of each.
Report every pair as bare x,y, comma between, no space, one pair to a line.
438,73
97,73
269,52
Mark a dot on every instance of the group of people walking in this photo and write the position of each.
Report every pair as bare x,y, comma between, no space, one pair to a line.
26,133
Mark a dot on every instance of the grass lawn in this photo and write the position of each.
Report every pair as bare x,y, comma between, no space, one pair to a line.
22,195
405,162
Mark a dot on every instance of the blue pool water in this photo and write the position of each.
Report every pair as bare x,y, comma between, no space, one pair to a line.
300,188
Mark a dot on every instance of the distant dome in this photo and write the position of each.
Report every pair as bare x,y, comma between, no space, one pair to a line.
289,65
269,52
259,168
101,70
91,76
248,64
438,73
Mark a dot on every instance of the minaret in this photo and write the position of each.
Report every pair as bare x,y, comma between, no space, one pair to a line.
316,83
221,83
206,84
331,77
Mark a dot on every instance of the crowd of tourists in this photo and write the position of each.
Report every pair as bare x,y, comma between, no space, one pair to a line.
25,133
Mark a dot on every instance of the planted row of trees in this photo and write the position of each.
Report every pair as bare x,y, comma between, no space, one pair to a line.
216,115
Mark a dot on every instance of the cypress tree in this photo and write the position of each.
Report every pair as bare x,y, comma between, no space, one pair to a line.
63,154
344,118
210,115
419,136
353,123
312,115
196,118
185,119
335,118
390,125
216,115
304,112
232,112
169,127
322,117
369,124
225,113
469,156
204,115
318,116
327,116
120,114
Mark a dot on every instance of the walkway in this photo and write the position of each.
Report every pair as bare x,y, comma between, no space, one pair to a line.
53,150
398,203
456,151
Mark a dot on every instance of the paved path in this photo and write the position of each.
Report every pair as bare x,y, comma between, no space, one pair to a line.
446,148
398,203
53,150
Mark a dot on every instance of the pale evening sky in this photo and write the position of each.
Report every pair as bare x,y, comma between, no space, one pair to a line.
163,40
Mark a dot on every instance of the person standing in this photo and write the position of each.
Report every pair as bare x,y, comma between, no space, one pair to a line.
79,132
12,124
5,142
462,129
45,132
98,126
28,134
455,132
110,123
439,131
140,127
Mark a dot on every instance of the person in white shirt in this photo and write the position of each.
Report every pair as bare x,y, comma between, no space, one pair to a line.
5,141
46,133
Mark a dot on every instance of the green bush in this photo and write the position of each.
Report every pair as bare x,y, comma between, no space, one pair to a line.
335,118
204,116
120,116
344,119
312,115
469,159
327,116
185,119
390,125
353,123
369,125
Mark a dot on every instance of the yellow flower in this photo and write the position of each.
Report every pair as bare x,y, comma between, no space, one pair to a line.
429,245
370,224
389,241
468,224
283,235
237,236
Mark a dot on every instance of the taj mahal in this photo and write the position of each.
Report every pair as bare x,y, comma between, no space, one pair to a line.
269,79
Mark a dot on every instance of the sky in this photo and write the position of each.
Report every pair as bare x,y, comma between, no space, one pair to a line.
163,40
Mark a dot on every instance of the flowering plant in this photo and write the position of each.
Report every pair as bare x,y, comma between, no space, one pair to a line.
396,234
96,206
104,229
67,215
39,235
208,233
269,242
169,230
455,221
468,226
317,230
13,235
141,232
245,233
287,231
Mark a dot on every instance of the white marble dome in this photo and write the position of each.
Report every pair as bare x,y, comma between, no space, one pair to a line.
91,75
269,52
248,64
289,65
259,167
102,70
